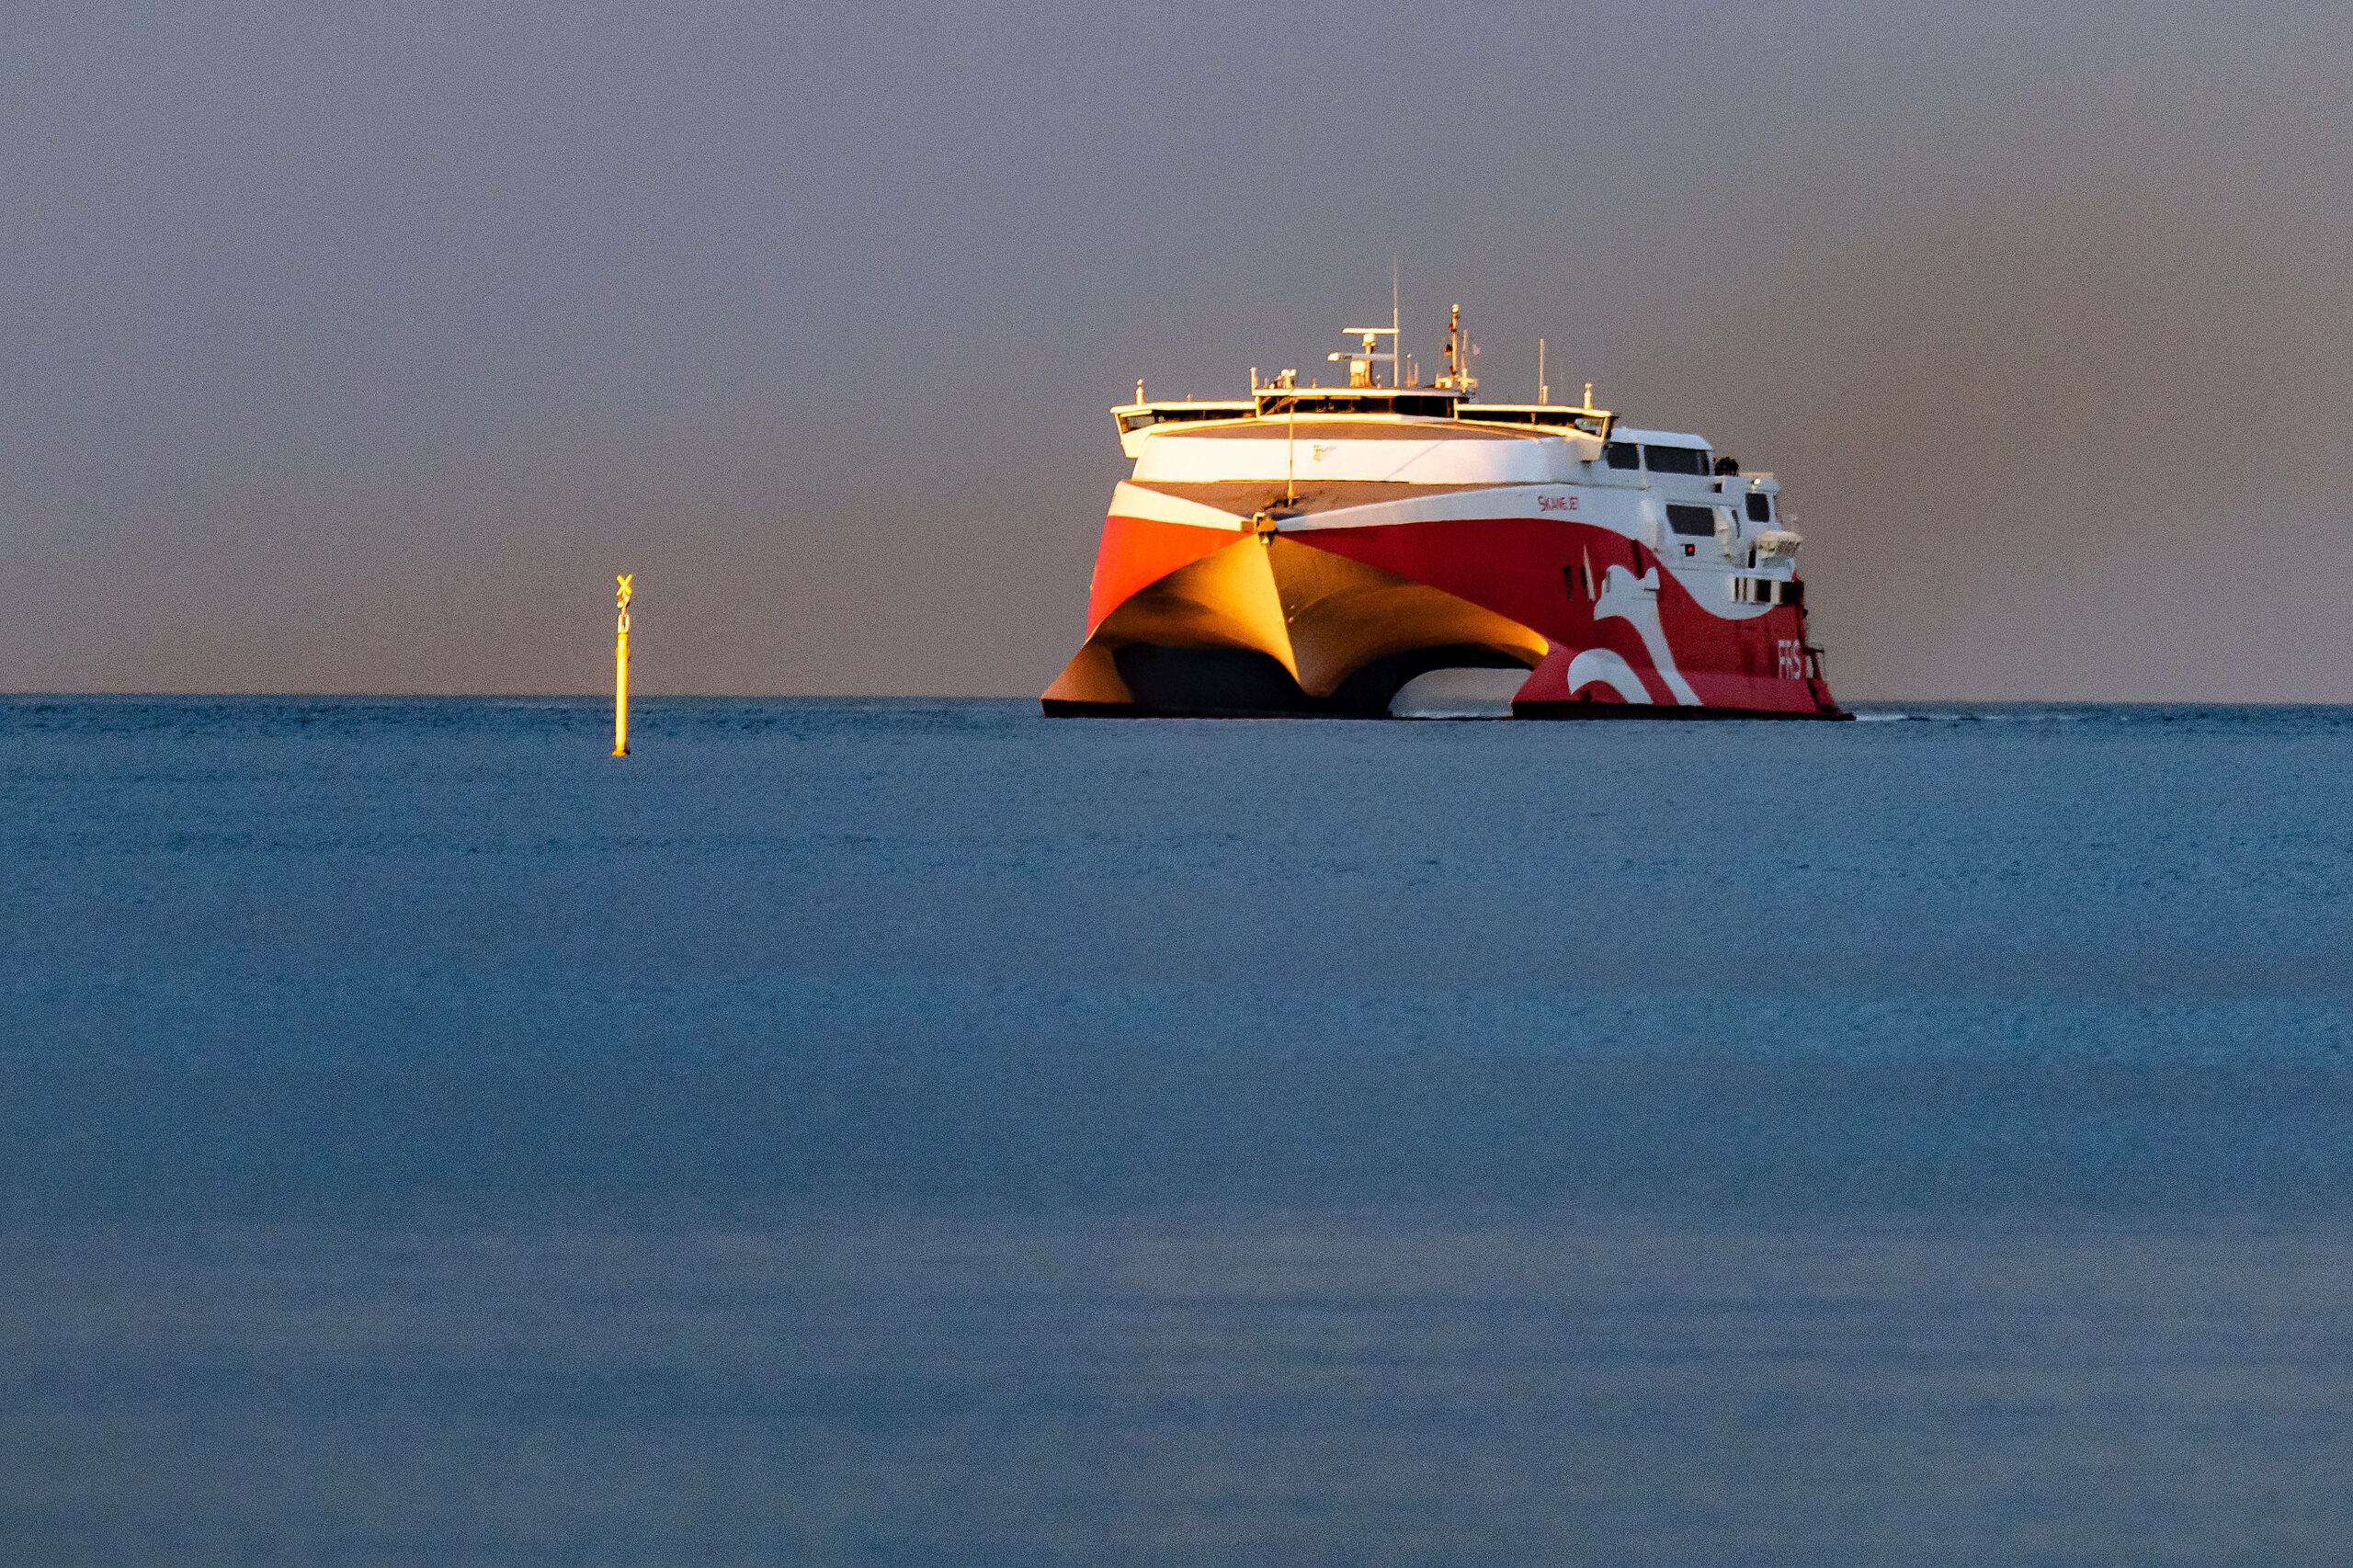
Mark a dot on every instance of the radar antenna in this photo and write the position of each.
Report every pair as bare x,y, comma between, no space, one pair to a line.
1362,358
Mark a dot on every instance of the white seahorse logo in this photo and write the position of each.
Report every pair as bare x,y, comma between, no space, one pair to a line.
1634,600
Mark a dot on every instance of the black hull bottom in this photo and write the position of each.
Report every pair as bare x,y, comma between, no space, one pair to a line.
1656,710
1055,709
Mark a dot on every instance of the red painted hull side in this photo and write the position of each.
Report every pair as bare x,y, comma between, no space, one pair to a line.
1535,571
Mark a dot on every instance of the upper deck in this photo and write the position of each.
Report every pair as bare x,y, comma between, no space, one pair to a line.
1395,435
1138,420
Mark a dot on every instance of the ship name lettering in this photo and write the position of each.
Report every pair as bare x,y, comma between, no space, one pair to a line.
1556,503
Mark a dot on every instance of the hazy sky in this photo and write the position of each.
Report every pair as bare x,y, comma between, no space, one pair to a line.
353,348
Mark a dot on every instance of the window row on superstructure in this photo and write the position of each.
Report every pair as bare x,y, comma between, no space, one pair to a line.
1657,459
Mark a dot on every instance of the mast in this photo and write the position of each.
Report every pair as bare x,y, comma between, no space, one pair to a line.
1459,350
1396,344
1291,457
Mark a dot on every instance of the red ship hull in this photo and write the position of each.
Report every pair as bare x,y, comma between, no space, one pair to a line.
1171,630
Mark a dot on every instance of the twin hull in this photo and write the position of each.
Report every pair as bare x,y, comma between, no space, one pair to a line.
1431,590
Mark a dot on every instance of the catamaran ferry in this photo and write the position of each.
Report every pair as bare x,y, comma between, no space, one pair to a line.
1388,549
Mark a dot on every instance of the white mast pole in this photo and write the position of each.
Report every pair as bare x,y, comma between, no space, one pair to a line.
1290,454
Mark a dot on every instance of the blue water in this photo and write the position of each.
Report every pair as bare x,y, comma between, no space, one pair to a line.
859,1131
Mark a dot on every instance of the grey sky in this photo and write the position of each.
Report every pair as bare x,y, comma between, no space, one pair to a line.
352,348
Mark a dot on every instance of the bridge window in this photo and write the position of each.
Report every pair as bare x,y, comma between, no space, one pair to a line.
1150,414
1676,460
1697,520
1545,416
1274,405
1760,506
1623,454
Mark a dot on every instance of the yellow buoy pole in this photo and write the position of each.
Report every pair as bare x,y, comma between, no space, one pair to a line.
621,668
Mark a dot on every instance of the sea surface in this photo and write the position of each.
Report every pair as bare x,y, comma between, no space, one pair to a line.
918,1132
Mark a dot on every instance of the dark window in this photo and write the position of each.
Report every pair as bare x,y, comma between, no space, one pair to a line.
1698,520
1182,413
1195,413
1760,506
1768,591
1623,454
1279,404
1676,460
1544,416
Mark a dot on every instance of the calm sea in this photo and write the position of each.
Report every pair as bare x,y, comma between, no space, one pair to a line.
921,1133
